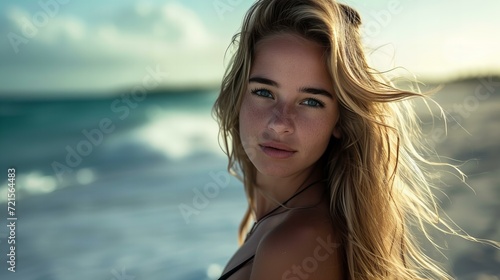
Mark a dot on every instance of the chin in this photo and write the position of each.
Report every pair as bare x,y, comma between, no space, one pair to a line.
273,169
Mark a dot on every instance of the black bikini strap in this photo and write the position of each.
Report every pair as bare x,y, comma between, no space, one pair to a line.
288,200
230,272
301,191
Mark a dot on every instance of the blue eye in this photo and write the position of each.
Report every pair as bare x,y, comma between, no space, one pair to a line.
262,92
313,103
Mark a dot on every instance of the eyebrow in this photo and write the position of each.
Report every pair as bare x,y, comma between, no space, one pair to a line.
316,91
309,90
265,81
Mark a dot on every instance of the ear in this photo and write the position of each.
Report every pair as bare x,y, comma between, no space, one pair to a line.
337,133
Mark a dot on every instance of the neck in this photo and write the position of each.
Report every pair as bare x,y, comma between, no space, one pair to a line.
270,191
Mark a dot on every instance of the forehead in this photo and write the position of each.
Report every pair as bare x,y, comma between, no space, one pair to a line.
291,57
288,42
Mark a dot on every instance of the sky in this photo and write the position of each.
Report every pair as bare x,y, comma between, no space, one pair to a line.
71,46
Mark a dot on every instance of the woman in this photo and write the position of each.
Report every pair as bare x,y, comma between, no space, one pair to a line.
329,153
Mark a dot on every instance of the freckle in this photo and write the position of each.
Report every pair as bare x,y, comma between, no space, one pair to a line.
266,136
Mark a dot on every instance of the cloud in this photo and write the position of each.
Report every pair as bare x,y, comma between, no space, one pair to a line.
136,36
192,27
439,45
55,28
171,27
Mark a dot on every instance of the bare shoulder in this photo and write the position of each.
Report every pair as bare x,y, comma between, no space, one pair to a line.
303,246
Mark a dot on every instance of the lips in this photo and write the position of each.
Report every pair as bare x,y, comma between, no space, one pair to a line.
277,150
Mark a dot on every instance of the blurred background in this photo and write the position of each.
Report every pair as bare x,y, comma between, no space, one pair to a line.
105,113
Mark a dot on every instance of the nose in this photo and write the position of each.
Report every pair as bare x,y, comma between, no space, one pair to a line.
282,119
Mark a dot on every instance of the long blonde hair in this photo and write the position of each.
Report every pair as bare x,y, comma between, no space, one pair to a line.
379,178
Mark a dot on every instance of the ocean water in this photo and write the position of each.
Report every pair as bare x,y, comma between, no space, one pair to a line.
112,190
150,199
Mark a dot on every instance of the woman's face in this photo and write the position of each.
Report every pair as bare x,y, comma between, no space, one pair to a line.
289,110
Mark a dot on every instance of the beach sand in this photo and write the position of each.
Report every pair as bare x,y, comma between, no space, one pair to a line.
473,142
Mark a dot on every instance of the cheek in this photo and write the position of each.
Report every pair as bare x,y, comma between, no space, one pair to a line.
252,115
317,133
248,119
245,114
